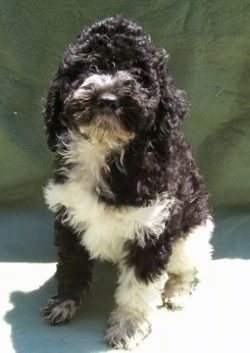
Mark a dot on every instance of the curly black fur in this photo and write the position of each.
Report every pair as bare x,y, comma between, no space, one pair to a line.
74,268
108,46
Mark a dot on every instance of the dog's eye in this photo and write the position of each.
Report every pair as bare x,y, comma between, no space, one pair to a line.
129,82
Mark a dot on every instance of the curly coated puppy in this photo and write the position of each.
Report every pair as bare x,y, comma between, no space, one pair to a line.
126,186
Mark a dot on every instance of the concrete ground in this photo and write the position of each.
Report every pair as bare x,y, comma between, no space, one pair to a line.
216,319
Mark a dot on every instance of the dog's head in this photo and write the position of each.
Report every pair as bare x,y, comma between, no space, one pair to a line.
113,85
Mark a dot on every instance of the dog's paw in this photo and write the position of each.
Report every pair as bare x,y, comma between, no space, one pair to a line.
177,300
58,311
126,333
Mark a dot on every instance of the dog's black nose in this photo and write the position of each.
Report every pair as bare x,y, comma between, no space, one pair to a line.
107,101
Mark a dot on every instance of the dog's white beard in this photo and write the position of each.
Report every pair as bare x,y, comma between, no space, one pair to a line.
106,129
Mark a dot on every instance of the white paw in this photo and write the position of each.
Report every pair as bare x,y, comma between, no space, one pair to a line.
124,332
177,300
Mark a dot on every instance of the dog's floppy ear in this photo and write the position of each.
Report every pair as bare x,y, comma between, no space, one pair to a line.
172,107
51,113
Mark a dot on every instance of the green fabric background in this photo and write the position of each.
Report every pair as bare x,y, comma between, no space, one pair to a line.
209,46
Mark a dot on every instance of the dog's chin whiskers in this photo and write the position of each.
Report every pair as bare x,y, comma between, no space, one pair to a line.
107,132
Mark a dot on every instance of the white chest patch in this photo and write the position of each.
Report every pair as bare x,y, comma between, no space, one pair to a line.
103,230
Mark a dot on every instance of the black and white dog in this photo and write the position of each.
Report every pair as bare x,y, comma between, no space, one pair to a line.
126,187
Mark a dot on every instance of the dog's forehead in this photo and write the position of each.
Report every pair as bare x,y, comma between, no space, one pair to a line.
105,80
98,80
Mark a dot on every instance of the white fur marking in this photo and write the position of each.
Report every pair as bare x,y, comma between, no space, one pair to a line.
99,81
139,296
104,230
187,263
130,322
193,252
103,81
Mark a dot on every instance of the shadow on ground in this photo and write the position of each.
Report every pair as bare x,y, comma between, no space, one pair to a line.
83,334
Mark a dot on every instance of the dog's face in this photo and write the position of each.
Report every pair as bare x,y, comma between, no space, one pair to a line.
107,107
113,85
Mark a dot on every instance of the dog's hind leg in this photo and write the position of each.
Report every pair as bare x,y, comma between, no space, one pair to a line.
190,255
73,274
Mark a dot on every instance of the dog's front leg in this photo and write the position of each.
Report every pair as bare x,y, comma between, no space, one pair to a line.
73,274
130,322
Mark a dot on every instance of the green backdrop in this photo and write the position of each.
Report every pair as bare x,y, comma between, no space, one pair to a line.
209,46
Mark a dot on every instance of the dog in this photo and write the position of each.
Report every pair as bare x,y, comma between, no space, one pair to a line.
126,187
